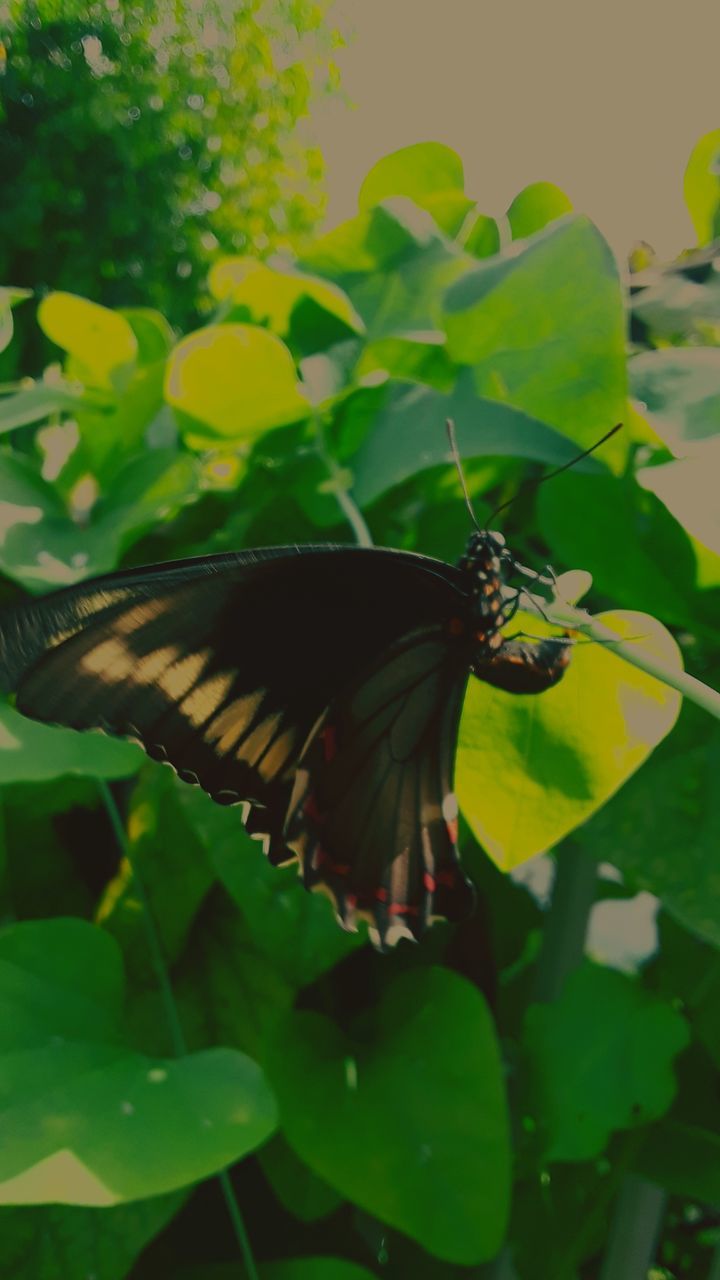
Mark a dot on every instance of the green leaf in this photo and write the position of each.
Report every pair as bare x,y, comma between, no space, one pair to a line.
153,334
165,851
232,382
313,1269
683,1158
482,239
600,1059
9,297
428,173
531,768
296,929
303,1194
663,830
270,296
100,343
40,546
407,1116
45,1242
415,265
534,207
84,1118
408,435
32,752
324,1268
36,402
544,330
702,187
654,568
680,389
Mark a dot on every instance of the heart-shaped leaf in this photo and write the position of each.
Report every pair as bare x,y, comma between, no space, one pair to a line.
408,1117
544,330
33,752
84,1118
532,768
232,382
600,1059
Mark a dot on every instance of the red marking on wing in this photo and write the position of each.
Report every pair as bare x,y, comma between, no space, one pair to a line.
311,809
429,882
446,878
329,742
452,830
322,859
398,909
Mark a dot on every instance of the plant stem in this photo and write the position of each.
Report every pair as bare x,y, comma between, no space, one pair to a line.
347,505
565,615
634,1228
566,922
171,1012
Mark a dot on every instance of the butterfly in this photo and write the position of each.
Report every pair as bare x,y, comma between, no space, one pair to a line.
318,685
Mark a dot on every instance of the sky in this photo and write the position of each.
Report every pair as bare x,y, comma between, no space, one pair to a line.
604,98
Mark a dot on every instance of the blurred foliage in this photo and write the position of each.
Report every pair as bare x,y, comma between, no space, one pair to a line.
138,138
406,1091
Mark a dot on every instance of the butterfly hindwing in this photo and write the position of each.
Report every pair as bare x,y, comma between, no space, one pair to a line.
372,815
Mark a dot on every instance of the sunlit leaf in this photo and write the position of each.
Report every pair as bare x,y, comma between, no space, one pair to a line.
534,207
702,186
532,768
270,295
100,343
428,173
542,325
232,382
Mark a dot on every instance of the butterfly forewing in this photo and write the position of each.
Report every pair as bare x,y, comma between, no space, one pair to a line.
220,666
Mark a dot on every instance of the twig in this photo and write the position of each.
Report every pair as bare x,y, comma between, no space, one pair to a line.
634,1229
173,1018
347,505
566,615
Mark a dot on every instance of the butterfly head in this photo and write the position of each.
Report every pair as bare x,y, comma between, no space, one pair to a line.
484,555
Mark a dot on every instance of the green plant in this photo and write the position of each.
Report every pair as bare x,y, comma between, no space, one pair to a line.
312,407
137,138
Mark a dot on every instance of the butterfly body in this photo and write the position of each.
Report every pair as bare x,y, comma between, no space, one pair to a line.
321,686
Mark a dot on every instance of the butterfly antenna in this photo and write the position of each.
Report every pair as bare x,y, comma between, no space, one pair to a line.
532,484
450,425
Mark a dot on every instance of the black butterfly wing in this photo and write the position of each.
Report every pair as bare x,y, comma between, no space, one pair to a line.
372,816
222,666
